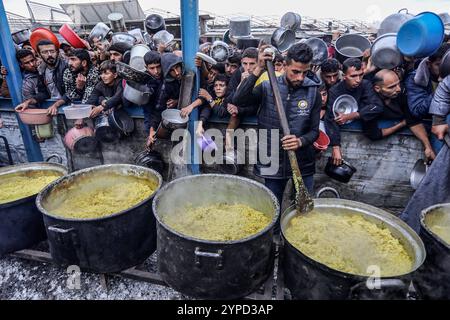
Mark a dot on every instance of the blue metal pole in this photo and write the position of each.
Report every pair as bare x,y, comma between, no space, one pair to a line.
14,80
190,43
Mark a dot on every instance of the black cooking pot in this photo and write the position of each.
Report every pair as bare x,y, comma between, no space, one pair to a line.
211,269
433,281
342,173
308,279
109,244
121,121
104,131
154,23
150,159
21,224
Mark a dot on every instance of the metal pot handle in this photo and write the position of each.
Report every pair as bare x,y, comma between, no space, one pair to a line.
56,156
7,149
404,9
68,236
214,255
385,284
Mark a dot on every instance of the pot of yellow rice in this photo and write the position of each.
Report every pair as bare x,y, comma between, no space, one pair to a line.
434,277
348,250
101,218
215,235
21,224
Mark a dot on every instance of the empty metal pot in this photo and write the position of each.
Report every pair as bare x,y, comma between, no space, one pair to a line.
393,23
283,39
445,17
291,21
172,119
137,93
117,22
137,33
100,32
137,57
21,36
104,132
130,74
320,50
123,37
384,52
351,46
220,51
240,27
154,23
163,37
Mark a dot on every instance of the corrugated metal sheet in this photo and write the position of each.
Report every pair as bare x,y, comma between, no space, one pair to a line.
92,13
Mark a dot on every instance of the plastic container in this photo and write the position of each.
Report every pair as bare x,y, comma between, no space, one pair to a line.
77,111
421,36
322,142
35,116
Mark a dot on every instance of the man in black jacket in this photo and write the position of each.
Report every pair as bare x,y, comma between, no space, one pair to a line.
369,106
302,103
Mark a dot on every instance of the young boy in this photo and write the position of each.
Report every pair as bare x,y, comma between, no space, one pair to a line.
107,94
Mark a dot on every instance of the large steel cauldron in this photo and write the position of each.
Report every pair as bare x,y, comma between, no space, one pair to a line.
209,269
21,224
434,276
309,279
107,244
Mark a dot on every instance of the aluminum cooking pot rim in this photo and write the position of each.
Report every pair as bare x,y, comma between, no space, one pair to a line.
345,96
44,192
28,167
376,213
253,182
423,225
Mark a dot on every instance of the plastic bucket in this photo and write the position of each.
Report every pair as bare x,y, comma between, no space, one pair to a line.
421,36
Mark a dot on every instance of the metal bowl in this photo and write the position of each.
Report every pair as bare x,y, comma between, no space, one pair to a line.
283,39
172,119
291,20
220,51
123,37
345,104
418,173
206,58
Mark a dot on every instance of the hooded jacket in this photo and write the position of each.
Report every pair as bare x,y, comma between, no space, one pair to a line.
440,105
171,87
302,106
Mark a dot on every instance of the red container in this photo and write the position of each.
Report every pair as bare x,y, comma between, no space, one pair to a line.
71,37
322,142
39,34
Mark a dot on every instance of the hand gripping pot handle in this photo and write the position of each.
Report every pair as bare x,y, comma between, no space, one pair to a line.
212,255
362,288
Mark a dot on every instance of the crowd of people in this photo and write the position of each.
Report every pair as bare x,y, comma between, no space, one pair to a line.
410,94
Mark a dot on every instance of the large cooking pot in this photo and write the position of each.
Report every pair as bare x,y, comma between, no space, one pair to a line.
309,279
100,32
445,17
107,244
393,23
351,46
433,281
291,20
117,22
137,57
240,27
104,131
81,139
320,50
137,33
172,119
130,74
21,36
163,37
384,52
21,224
154,23
211,269
283,39
421,36
137,93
